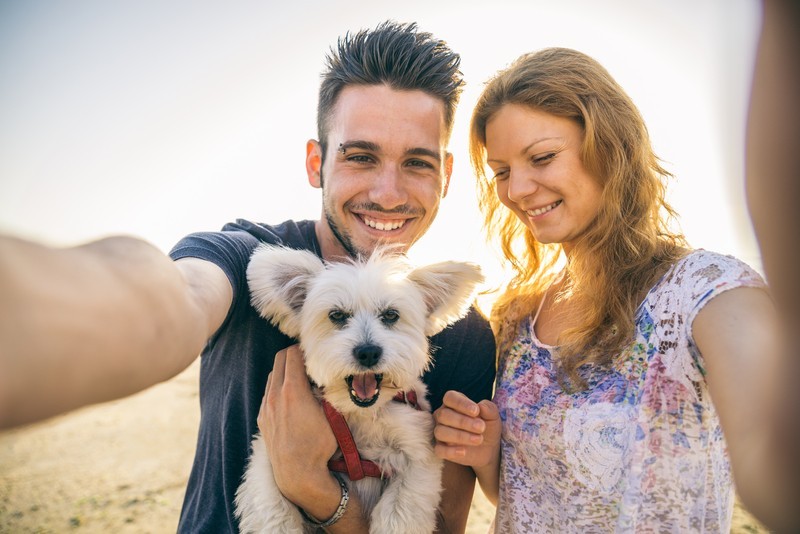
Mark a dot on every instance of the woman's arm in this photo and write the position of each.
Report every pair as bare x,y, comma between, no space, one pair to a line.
737,335
773,128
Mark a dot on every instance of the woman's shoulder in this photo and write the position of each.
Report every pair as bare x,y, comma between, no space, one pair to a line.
710,265
700,255
702,273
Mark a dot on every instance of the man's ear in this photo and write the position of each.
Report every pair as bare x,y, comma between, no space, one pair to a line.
314,163
448,171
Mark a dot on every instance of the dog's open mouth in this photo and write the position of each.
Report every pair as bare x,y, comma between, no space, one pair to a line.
364,389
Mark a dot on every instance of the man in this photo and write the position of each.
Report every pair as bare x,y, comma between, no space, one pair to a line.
120,317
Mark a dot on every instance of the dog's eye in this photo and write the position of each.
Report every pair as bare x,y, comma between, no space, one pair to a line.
390,316
338,317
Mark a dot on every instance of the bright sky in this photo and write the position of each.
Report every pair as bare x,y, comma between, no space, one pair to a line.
162,118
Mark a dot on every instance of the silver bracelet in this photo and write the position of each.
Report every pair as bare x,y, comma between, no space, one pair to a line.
337,515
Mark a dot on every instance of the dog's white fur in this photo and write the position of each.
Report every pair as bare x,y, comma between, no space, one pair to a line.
296,291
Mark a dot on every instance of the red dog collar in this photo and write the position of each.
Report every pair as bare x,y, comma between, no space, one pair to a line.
351,461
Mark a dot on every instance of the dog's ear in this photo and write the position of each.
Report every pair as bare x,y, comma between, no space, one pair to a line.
278,278
448,290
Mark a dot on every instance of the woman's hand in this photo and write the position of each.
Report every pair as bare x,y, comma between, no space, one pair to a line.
468,433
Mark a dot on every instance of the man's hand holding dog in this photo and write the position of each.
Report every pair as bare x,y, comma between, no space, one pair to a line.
298,437
300,441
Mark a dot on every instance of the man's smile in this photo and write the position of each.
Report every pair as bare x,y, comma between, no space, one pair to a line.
383,224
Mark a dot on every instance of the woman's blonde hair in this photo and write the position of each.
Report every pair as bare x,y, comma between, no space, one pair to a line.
629,242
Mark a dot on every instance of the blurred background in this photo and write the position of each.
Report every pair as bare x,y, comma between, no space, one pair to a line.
162,118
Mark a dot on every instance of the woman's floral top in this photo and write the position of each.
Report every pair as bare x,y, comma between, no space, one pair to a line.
641,448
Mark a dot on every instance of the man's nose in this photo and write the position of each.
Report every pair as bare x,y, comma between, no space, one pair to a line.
388,189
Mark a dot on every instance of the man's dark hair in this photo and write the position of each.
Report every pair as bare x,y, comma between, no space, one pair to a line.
396,55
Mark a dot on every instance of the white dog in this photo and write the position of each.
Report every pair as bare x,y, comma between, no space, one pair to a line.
363,328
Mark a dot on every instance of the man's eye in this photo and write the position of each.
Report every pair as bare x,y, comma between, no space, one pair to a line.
390,317
338,317
360,158
422,164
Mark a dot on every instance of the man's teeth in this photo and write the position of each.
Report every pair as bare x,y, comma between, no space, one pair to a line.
539,211
390,225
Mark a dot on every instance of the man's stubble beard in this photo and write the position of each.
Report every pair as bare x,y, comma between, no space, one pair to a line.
342,236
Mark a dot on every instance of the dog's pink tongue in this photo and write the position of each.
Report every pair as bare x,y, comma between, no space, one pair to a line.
365,385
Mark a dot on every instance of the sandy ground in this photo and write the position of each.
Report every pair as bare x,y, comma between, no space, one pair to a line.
122,467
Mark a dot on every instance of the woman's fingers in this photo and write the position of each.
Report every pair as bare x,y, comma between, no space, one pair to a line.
447,417
454,436
459,402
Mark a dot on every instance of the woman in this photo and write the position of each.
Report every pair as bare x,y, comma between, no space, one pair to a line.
623,355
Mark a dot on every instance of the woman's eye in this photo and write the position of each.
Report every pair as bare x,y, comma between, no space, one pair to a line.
543,159
390,316
500,175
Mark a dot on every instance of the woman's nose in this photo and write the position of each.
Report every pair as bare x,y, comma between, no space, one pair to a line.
521,185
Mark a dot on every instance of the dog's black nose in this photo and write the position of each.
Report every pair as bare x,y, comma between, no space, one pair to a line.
368,355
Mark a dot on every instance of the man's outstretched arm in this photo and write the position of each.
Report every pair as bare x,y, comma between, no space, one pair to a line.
97,322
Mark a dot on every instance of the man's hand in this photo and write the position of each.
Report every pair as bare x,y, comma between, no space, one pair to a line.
300,442
298,438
